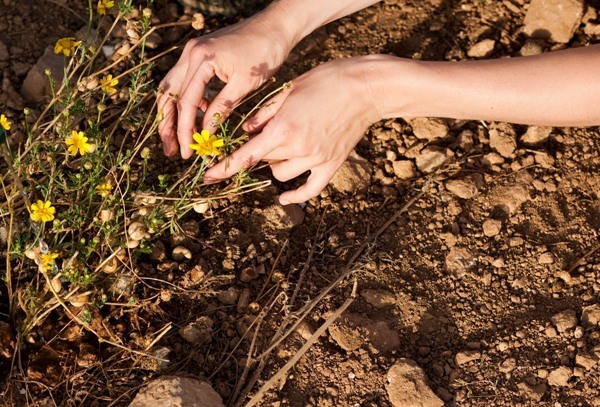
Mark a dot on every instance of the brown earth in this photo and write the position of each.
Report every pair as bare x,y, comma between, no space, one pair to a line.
487,281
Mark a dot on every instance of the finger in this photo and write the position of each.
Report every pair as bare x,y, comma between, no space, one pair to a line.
187,105
288,169
166,129
245,157
317,181
225,101
257,122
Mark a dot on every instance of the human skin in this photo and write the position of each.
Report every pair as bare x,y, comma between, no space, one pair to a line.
315,124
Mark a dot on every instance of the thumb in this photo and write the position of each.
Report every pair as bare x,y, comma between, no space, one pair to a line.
225,102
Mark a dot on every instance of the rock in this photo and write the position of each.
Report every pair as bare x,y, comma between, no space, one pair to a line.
556,20
565,320
351,330
305,330
531,47
378,298
586,360
36,86
462,358
530,392
560,377
491,227
429,129
544,160
353,176
546,258
177,392
404,169
407,386
509,198
459,260
282,218
482,49
181,253
462,188
199,331
508,365
248,274
244,301
503,139
432,157
4,55
229,296
158,253
590,316
7,340
536,135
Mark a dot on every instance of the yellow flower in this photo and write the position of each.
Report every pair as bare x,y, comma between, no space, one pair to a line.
77,142
104,6
4,122
48,260
107,83
42,211
66,46
207,144
104,189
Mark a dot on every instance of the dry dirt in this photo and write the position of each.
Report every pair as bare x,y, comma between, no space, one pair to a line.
489,281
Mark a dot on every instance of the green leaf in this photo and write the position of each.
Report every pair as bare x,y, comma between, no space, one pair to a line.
2,135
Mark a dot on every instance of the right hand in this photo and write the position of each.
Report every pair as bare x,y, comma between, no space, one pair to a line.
243,55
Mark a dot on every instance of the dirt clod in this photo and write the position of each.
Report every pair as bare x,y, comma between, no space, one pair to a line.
565,320
407,386
177,392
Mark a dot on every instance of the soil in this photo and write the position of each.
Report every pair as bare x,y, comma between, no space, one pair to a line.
487,280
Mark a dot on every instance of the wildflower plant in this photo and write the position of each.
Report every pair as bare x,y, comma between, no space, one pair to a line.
83,198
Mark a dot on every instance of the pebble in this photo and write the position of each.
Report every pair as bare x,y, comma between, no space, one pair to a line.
462,358
404,169
279,217
532,392
353,176
508,365
229,296
429,128
492,227
565,320
432,157
482,49
586,360
560,376
198,332
177,391
531,47
536,135
462,188
407,386
248,274
590,315
244,301
556,20
503,139
546,258
181,253
351,331
458,261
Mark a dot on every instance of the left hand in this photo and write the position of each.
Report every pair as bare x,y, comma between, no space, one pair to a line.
311,126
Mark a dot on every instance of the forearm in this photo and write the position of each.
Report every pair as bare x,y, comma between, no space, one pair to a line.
298,18
559,88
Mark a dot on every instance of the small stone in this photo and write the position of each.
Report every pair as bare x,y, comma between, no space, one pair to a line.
432,157
244,301
353,176
586,360
158,253
229,296
462,358
531,47
281,218
536,135
351,331
560,377
502,346
198,332
503,139
556,20
550,332
462,188
181,253
508,365
378,298
590,315
428,128
305,330
407,386
404,169
532,392
491,227
482,49
546,258
248,274
544,160
177,391
565,320
36,86
458,261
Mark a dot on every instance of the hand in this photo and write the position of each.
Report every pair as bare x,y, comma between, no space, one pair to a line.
243,55
313,126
